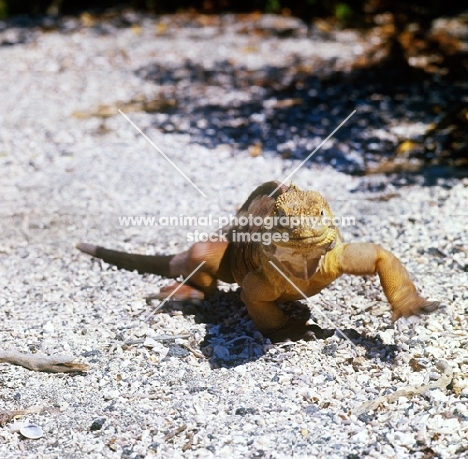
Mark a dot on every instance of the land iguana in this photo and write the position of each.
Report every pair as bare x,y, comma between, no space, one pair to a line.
305,246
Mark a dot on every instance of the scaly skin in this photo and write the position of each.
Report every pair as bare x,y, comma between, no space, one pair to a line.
307,249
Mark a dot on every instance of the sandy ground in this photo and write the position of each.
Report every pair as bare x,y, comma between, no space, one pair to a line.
202,382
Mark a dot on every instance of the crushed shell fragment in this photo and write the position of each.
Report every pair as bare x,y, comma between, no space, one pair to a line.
31,431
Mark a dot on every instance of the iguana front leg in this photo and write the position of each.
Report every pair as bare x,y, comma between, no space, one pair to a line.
259,295
366,258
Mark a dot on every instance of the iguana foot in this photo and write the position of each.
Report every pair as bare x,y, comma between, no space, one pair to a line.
294,331
415,308
178,292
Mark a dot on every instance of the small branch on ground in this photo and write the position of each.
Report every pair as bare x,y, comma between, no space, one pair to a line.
7,415
410,391
41,362
175,432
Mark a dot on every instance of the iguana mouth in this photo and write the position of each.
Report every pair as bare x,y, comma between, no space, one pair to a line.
320,241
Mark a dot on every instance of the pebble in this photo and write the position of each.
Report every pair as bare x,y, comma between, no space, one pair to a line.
97,424
361,437
48,327
220,352
110,394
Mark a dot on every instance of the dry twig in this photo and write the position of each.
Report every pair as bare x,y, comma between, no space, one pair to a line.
41,362
175,432
410,391
7,415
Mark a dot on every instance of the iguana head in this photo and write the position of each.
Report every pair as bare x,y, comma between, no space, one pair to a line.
304,220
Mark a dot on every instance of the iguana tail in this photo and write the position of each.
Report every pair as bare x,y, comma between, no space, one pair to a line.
154,264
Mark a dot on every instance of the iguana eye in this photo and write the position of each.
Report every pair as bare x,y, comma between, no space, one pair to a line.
322,213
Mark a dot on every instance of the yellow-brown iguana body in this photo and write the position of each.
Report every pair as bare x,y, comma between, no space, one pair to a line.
306,247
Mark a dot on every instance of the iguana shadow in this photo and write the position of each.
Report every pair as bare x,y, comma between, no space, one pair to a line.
231,338
375,347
